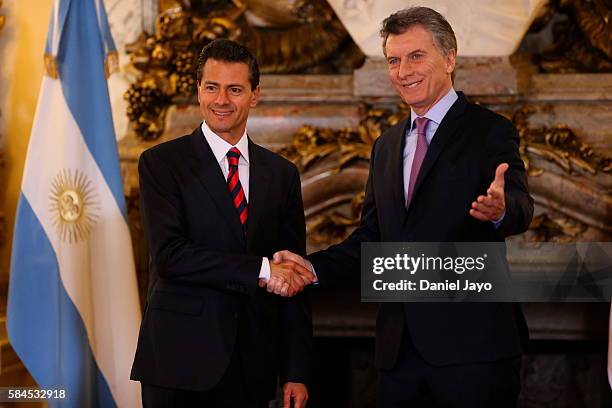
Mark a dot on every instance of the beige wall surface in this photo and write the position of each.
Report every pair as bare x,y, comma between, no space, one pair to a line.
22,48
21,54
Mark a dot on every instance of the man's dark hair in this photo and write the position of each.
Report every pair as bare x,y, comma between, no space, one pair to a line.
229,51
432,21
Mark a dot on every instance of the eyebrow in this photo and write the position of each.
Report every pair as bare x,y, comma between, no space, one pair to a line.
228,85
418,51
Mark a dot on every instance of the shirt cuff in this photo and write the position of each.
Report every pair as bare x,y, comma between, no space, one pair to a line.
312,269
497,223
264,272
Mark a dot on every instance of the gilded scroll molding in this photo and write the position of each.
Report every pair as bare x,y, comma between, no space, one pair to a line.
311,144
287,36
548,228
582,42
557,144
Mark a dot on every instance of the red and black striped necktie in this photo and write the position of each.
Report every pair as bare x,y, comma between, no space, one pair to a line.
234,186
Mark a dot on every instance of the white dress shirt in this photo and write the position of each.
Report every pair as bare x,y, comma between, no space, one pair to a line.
220,148
435,116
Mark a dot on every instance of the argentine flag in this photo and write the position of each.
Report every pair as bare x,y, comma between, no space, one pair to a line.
73,311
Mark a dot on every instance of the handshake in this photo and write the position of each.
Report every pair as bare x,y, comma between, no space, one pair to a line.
289,274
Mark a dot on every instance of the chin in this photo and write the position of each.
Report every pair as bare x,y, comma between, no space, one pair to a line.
411,101
215,127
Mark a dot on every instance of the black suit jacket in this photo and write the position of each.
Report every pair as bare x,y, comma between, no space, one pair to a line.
459,165
203,297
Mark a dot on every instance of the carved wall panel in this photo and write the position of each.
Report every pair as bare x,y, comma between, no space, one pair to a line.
287,37
582,36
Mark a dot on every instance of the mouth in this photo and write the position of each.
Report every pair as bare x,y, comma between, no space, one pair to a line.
412,85
222,113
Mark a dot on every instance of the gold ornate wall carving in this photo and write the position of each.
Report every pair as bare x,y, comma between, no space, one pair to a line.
288,36
582,42
558,144
310,143
547,228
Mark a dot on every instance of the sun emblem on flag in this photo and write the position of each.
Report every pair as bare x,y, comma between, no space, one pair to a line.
74,204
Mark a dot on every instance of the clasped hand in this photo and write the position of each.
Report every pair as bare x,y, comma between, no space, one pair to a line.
289,274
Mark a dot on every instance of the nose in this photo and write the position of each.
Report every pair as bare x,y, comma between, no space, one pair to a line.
405,69
221,98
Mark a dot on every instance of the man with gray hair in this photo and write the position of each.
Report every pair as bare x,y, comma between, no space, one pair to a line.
450,172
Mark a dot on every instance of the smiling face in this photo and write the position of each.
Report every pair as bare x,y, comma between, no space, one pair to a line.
418,70
226,97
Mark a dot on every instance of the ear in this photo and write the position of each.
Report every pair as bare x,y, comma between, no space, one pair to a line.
451,60
255,97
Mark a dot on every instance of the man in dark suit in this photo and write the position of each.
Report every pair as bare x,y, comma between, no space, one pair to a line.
451,172
214,206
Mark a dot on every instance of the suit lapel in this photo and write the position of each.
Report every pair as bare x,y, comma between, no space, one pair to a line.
396,171
210,175
443,134
258,189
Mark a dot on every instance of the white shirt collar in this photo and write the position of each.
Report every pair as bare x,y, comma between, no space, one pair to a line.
437,112
220,147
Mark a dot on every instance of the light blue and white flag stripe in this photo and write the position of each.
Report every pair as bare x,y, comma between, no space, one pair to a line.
73,311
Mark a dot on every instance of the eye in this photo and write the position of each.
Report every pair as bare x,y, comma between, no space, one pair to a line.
235,90
415,57
210,88
393,61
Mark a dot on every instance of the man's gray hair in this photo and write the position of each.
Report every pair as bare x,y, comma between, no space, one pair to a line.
434,22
